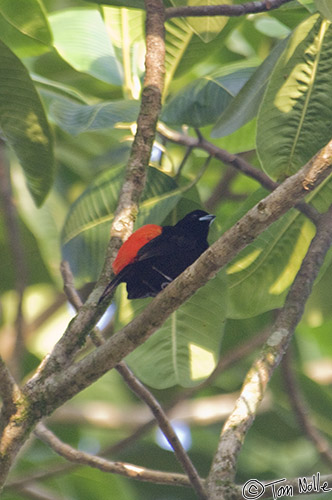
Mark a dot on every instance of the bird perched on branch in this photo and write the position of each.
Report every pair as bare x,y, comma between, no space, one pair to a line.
153,256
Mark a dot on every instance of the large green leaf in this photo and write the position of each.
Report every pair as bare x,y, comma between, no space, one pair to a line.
178,37
207,27
24,125
28,17
201,102
24,27
81,38
185,49
86,231
185,349
325,8
260,276
244,106
294,120
126,30
76,118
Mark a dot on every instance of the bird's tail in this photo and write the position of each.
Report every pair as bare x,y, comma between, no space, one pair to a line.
110,288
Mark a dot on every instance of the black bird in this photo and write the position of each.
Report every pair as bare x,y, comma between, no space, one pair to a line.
153,256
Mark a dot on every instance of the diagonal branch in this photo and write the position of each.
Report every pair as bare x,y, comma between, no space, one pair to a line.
141,391
124,469
55,390
224,464
233,160
80,327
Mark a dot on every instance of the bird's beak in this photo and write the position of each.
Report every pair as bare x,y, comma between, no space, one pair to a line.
208,217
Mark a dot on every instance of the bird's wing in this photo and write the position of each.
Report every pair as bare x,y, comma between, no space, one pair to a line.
162,245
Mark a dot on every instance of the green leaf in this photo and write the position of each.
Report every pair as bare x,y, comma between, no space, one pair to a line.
24,27
185,349
81,38
24,125
28,17
86,231
243,107
201,102
207,27
178,37
271,27
325,8
127,34
309,5
260,276
43,222
294,120
76,118
185,50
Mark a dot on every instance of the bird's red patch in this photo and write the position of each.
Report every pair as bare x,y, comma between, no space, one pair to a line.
128,252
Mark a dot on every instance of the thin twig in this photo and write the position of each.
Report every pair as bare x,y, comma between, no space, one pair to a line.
224,10
125,469
222,190
183,162
254,387
8,387
68,285
145,395
300,410
233,160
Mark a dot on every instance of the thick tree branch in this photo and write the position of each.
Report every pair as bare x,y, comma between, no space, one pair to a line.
224,464
224,10
56,389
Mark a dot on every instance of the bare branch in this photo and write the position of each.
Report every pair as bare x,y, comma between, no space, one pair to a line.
143,393
68,285
233,160
224,10
124,469
239,422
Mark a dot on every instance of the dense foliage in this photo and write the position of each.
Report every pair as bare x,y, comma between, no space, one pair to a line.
257,86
